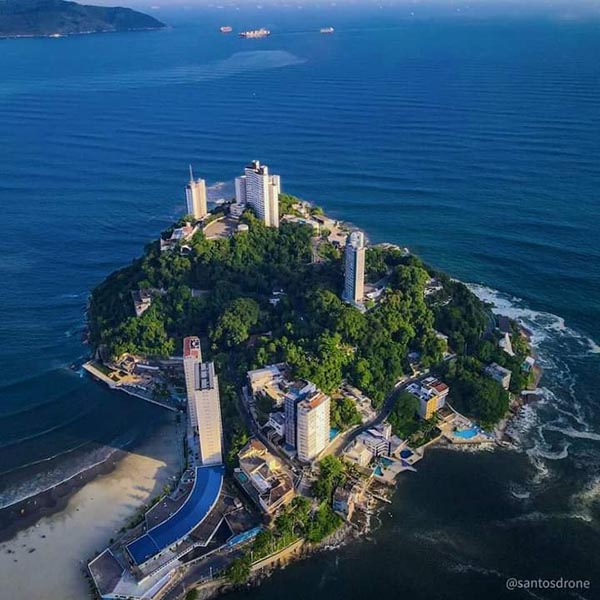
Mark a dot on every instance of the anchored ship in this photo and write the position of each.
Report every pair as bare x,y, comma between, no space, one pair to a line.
326,30
226,29
255,33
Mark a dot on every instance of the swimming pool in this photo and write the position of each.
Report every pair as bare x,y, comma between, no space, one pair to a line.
406,453
378,471
467,434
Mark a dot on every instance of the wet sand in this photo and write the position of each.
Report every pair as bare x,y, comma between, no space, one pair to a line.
48,560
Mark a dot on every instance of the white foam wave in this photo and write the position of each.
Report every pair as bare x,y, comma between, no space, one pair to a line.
587,500
540,323
537,516
558,455
574,433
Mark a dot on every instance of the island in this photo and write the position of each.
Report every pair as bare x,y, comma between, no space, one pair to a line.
56,18
312,368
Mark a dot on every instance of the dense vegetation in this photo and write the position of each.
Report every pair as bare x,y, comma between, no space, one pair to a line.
221,291
297,520
49,17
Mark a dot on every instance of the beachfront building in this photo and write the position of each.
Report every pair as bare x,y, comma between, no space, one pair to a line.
346,497
313,428
354,282
431,394
295,394
204,406
377,439
499,374
195,197
260,190
264,477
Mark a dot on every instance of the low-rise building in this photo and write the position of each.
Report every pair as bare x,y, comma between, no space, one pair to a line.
179,235
345,499
269,380
377,439
264,477
505,344
499,374
431,394
277,423
358,454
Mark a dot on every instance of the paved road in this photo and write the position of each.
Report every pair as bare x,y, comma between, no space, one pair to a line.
201,572
384,413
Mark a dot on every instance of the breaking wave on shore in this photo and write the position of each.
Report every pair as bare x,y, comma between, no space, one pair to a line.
559,431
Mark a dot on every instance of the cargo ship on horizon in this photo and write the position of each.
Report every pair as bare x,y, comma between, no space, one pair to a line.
255,33
226,29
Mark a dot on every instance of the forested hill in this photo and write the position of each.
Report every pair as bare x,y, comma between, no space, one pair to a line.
22,18
257,298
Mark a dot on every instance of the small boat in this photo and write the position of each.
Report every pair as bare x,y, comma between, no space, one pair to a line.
326,30
255,33
226,29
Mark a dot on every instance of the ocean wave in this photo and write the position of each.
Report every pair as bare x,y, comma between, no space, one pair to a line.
61,473
574,433
541,324
39,434
587,500
537,516
549,455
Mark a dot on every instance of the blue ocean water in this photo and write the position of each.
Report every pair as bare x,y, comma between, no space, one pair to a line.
475,142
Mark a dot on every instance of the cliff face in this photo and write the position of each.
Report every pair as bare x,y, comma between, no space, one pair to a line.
47,17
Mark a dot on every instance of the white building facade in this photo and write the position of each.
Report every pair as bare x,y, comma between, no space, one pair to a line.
257,188
313,427
354,282
195,197
204,406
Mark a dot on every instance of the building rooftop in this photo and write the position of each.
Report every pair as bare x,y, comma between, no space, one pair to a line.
314,401
207,487
191,347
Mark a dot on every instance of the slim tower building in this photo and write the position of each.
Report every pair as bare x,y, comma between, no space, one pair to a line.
313,426
354,283
261,191
204,407
195,197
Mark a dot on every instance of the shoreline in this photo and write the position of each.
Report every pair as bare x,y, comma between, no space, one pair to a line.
25,513
55,36
48,559
28,511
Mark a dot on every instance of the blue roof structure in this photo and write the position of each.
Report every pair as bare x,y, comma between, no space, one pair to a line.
202,498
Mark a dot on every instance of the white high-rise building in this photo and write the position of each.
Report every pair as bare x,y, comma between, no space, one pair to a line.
204,406
313,428
354,285
261,191
195,197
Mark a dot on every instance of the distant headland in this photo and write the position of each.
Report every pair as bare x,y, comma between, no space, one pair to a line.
55,18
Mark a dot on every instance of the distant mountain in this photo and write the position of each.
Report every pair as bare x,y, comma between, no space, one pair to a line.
51,17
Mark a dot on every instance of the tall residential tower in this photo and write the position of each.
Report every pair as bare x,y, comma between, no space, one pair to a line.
195,197
313,427
355,269
204,407
261,191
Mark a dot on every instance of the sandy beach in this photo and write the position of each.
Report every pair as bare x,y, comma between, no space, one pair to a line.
47,560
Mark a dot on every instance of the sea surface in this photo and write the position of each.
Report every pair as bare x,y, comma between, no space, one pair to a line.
473,141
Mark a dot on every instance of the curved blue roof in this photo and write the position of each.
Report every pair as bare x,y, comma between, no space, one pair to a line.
202,498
